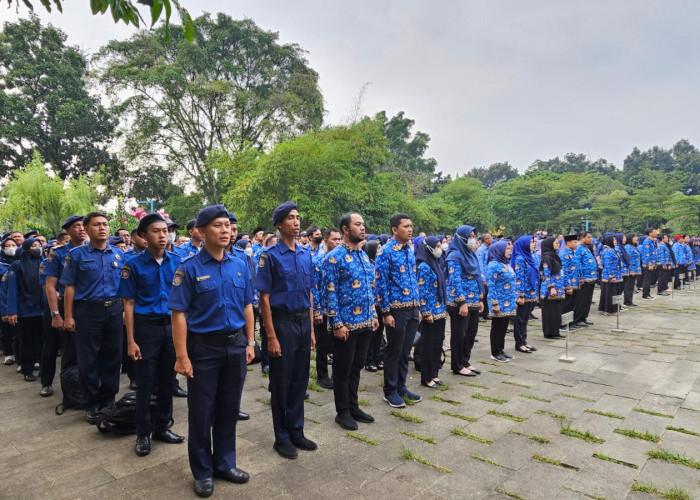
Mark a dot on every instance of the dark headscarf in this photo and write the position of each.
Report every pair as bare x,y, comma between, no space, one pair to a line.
423,254
521,248
550,256
609,241
242,243
670,250
629,237
29,274
621,248
497,251
370,248
460,252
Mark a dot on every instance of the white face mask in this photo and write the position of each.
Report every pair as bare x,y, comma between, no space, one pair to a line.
472,242
10,251
171,238
445,247
248,251
437,252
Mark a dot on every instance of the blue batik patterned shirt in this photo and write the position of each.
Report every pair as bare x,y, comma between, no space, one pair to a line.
397,282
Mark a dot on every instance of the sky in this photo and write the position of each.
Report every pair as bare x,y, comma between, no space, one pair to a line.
489,81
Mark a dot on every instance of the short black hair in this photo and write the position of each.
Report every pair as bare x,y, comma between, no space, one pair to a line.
345,220
327,232
648,231
190,224
60,235
116,233
583,234
243,235
269,238
396,219
134,232
266,233
312,229
93,215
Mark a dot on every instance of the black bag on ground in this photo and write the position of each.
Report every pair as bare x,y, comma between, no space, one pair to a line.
72,395
120,416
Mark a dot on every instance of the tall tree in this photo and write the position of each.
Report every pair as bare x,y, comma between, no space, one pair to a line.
575,163
494,174
235,88
45,105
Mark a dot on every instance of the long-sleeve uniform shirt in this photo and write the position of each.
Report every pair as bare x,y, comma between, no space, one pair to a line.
397,285
635,265
611,266
462,287
587,264
649,253
570,267
523,287
500,279
548,281
428,284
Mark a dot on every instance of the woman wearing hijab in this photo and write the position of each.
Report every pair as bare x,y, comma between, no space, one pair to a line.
611,275
525,267
502,297
24,305
666,264
551,288
375,352
464,299
8,333
640,278
432,292
634,267
620,240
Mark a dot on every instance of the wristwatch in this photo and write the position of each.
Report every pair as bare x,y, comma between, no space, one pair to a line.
251,344
54,314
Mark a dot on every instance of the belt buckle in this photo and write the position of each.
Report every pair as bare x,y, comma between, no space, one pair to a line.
230,339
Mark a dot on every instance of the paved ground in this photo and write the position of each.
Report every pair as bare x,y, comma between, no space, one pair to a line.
653,366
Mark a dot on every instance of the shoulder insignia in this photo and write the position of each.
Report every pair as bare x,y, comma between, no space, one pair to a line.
261,262
177,280
125,273
180,272
379,251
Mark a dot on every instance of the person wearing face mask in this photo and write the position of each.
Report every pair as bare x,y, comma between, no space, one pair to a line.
315,240
8,333
24,305
432,291
172,238
464,299
551,288
526,278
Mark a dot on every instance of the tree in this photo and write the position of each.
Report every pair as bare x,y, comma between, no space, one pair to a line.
463,200
45,105
494,174
235,88
575,163
126,11
33,199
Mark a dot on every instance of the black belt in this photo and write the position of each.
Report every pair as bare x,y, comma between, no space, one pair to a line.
102,303
152,320
220,339
280,315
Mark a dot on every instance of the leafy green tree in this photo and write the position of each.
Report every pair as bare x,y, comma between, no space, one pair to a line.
575,163
463,200
235,88
45,105
494,174
34,199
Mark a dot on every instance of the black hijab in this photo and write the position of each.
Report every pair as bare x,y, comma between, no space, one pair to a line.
621,250
550,256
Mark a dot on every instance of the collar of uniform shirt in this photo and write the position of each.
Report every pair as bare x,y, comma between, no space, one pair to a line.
206,256
92,248
283,248
349,248
397,245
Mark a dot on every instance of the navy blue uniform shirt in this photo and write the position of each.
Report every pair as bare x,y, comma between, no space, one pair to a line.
287,276
212,294
149,283
94,273
54,264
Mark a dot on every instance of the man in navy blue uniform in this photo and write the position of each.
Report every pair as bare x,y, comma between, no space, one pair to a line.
92,309
212,320
284,279
144,288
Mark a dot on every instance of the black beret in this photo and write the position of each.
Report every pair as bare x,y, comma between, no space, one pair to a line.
31,233
147,220
173,225
208,214
282,211
232,217
115,240
71,220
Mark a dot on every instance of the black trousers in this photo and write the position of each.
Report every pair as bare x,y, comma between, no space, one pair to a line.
499,326
50,343
462,334
628,290
665,275
551,317
522,316
324,347
582,307
348,361
7,339
375,352
127,362
264,356
607,291
485,302
569,302
639,280
647,276
399,342
30,332
431,349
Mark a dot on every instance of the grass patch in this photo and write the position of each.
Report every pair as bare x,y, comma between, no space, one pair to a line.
600,456
674,458
516,384
684,431
312,373
403,415
459,416
443,400
249,369
443,387
646,436
654,413
407,454
308,401
472,384
263,401
312,420
509,494
490,363
552,414
585,435
313,386
498,401
486,460
672,494
362,388
460,432
605,414
419,437
498,372
537,439
574,396
507,415
407,400
362,438
363,402
552,461
530,396
541,373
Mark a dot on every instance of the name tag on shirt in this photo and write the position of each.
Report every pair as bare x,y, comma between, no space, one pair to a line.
203,278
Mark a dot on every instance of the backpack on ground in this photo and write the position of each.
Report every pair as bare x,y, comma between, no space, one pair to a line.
120,416
72,395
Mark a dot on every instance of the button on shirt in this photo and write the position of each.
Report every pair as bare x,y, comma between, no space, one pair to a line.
94,273
212,294
149,283
287,276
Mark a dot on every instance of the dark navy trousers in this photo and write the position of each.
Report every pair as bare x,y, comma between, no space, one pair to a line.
98,339
154,369
213,401
289,377
399,341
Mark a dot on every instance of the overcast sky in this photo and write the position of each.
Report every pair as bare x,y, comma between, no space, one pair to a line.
489,81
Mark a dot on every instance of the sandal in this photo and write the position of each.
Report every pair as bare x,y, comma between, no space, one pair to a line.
532,349
380,366
474,370
371,368
524,349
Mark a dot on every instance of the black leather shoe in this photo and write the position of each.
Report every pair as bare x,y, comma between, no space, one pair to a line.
143,446
233,475
29,378
304,443
168,436
360,416
46,391
286,449
558,337
306,396
204,487
326,383
180,393
346,421
266,370
243,416
92,416
581,324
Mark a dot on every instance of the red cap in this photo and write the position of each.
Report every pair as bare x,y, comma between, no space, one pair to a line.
678,237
